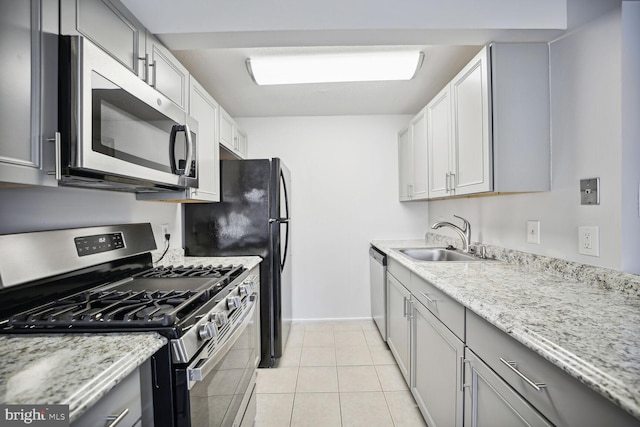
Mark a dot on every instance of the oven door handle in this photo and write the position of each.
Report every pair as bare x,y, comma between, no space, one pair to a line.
200,368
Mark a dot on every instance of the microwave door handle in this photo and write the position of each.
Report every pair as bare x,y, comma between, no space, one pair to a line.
172,150
172,147
187,135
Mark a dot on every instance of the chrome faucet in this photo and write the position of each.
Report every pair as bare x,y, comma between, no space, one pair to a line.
464,233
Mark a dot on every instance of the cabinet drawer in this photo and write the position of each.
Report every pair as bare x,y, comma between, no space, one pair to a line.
563,399
489,401
399,271
440,304
123,397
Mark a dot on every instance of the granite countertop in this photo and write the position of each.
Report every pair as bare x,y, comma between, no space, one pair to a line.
590,329
69,369
176,257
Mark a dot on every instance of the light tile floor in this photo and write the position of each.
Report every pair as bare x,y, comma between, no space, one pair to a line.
335,374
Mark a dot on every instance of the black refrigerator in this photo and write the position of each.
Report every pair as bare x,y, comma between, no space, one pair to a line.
252,218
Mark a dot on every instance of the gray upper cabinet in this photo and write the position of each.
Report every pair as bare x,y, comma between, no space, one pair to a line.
109,25
412,159
488,130
231,137
28,75
166,74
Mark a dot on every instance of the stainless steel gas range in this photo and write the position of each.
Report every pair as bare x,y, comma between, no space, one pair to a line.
102,279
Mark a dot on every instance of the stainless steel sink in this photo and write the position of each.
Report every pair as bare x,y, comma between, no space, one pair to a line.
439,254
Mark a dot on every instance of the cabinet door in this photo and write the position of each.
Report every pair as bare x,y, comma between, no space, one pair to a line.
490,402
242,143
471,127
109,25
398,314
226,136
439,143
419,142
204,109
437,370
124,399
405,164
166,74
28,106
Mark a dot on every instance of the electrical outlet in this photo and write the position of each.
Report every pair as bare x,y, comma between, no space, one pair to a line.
589,241
165,230
533,232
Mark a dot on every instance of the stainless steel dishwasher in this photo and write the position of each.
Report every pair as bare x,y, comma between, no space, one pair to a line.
378,277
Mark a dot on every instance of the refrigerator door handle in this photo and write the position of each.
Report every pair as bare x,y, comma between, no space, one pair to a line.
279,220
286,245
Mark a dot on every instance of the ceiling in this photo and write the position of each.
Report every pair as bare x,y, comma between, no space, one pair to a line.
213,40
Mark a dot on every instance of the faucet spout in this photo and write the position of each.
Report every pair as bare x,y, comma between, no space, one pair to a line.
464,232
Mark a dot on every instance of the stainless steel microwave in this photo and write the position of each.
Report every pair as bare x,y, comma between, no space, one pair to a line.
116,131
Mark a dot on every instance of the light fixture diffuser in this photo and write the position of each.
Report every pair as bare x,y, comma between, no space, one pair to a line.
335,67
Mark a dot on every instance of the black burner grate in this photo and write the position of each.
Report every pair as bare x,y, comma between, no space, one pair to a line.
206,271
160,302
115,308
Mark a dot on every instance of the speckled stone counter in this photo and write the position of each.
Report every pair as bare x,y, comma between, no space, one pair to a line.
588,328
176,257
69,369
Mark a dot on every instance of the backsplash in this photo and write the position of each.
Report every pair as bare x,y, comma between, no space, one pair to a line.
602,277
174,256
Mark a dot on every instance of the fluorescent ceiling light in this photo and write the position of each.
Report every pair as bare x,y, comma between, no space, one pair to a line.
338,67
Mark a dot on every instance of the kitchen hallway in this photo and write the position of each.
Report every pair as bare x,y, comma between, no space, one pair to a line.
335,374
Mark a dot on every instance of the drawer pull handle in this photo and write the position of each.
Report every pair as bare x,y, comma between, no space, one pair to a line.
512,365
431,300
114,420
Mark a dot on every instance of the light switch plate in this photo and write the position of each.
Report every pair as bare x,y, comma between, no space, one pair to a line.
589,240
533,232
590,191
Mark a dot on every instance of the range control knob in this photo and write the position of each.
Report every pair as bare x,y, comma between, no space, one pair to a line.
208,331
244,290
250,284
220,319
233,302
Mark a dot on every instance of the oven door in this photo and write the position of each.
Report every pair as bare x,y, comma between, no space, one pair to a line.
116,128
218,387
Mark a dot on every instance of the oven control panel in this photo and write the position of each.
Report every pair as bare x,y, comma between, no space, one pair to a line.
88,245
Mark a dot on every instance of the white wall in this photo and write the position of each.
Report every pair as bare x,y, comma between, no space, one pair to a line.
586,136
42,208
345,193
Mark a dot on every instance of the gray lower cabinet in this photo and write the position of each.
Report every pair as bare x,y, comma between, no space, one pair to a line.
558,396
490,402
29,81
464,371
128,404
437,369
398,315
